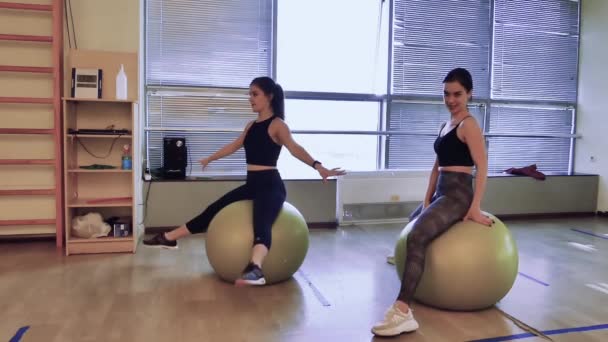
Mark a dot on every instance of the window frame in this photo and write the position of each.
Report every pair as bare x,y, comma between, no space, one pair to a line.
385,101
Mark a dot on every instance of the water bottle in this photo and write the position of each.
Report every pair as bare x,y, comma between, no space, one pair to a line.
127,161
121,84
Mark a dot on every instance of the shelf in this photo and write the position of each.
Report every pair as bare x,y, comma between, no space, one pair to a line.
29,7
100,136
108,192
26,131
34,222
72,99
26,38
99,202
99,171
101,239
16,192
29,100
27,161
15,68
100,245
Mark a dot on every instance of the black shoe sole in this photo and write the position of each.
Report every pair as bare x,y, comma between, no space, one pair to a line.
161,247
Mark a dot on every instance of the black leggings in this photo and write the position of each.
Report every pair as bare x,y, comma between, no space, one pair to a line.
450,203
267,191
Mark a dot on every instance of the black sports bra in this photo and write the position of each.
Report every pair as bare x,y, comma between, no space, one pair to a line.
260,149
451,151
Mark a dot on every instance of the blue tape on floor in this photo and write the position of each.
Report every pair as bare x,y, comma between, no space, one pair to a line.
589,233
533,279
19,334
505,338
548,332
314,289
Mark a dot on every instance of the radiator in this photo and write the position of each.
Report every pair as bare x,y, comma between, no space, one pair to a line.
378,197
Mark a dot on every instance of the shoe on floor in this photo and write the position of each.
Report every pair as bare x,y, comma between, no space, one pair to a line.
252,275
395,322
160,241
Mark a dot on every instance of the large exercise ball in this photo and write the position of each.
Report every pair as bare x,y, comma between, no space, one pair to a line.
469,267
229,242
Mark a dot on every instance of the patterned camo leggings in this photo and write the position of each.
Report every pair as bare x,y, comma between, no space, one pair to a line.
450,203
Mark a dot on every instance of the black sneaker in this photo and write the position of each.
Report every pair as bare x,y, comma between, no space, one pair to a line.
160,241
252,275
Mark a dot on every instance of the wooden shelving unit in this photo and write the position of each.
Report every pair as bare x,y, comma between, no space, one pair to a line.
31,84
109,192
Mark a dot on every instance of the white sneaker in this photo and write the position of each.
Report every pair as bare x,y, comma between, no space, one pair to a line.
395,322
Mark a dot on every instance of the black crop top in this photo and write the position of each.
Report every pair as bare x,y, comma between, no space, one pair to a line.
260,149
451,151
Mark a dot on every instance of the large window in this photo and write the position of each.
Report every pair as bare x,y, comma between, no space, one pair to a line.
434,36
523,58
534,84
348,74
429,39
356,152
331,64
331,46
207,43
535,50
200,58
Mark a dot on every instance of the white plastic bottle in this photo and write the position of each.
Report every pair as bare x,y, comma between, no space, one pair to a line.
121,84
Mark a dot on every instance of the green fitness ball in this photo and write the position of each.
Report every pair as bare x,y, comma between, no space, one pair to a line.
469,267
229,242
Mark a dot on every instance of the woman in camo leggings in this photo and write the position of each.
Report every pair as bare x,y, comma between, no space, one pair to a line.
449,198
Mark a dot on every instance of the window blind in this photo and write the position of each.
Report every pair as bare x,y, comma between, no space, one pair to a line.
431,37
533,47
535,50
550,154
207,43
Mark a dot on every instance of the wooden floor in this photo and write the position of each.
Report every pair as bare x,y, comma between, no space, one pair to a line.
344,286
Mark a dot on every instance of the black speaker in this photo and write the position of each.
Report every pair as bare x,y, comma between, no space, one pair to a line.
175,158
